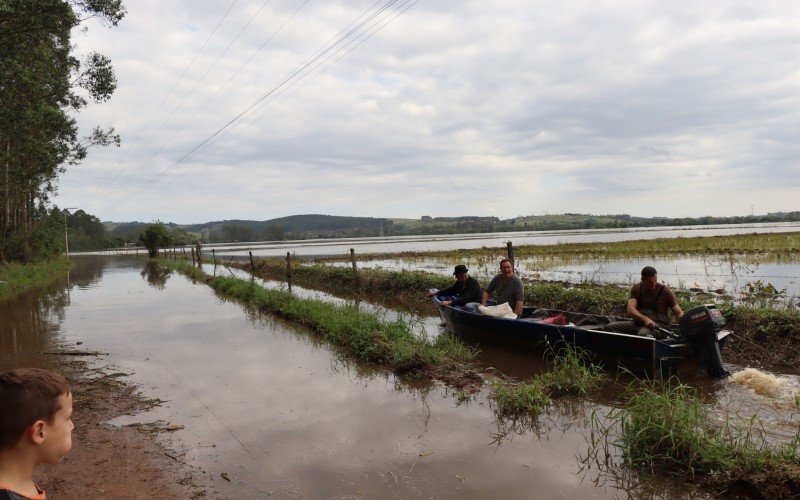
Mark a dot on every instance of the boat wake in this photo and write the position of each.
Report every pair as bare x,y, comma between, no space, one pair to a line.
766,384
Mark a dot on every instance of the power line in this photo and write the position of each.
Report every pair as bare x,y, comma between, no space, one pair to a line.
397,12
115,173
339,39
233,75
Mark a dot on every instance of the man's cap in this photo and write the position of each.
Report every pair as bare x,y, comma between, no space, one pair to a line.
460,269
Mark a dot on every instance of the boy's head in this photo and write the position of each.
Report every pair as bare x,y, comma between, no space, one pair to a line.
37,409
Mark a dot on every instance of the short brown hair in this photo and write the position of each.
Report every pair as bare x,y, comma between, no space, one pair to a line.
27,395
506,260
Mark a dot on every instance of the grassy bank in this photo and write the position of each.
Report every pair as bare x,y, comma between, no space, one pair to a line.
666,427
407,287
16,278
363,335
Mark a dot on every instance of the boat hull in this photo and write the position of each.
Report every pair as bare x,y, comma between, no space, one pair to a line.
656,356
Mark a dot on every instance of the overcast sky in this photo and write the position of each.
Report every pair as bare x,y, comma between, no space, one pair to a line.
506,108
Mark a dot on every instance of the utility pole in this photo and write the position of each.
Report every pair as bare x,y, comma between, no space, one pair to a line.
66,231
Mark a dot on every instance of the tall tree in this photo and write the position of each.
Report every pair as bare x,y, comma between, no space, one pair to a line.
42,85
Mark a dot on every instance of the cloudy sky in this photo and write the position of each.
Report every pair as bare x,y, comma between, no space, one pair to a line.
259,109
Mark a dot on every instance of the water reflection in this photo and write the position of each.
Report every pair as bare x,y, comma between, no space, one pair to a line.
156,275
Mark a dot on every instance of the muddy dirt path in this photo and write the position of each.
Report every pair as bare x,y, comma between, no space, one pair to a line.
106,461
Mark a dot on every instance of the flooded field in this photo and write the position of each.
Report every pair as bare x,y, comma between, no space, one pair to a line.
728,275
270,409
424,243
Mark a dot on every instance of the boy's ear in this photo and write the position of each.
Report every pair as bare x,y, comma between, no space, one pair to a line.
36,432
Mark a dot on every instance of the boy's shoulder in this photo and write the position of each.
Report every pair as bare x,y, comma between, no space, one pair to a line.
13,495
10,495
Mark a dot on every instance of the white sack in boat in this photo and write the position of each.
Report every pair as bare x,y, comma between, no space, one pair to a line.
501,311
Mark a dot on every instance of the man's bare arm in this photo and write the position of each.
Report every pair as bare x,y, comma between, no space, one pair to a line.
635,314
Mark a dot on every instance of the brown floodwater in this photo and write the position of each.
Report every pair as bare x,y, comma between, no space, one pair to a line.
281,413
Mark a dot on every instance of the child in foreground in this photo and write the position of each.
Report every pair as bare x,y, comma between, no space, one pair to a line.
35,428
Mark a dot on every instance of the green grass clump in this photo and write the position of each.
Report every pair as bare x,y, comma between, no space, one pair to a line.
16,278
570,371
666,426
364,335
527,398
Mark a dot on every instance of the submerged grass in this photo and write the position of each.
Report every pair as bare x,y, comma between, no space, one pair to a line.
16,278
571,371
366,336
666,426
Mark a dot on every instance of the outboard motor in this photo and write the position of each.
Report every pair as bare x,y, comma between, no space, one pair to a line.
699,326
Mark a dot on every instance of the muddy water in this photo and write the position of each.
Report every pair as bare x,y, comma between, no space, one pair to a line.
279,412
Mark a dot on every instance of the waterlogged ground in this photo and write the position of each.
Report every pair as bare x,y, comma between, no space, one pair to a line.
734,276
270,409
424,243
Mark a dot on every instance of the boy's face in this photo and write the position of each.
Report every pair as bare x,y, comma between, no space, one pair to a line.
58,434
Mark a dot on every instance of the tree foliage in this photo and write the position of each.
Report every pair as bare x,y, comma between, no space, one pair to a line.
155,237
42,85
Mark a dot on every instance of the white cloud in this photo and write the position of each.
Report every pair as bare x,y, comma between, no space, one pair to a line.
501,108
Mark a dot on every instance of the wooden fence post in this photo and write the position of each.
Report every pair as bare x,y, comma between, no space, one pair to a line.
355,269
214,256
510,248
252,265
192,256
289,270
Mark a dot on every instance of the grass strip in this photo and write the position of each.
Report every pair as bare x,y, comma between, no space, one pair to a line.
666,426
366,336
571,372
15,278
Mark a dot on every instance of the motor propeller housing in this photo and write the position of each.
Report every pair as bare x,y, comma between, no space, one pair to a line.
699,326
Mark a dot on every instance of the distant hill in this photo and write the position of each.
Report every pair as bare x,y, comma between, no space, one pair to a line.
309,226
298,223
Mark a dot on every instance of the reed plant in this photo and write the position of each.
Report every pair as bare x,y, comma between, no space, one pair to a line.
664,425
569,371
15,278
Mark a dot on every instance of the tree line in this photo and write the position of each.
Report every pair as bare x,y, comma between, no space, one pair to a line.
42,86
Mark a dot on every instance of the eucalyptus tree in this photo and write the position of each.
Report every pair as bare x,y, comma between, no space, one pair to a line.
42,85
